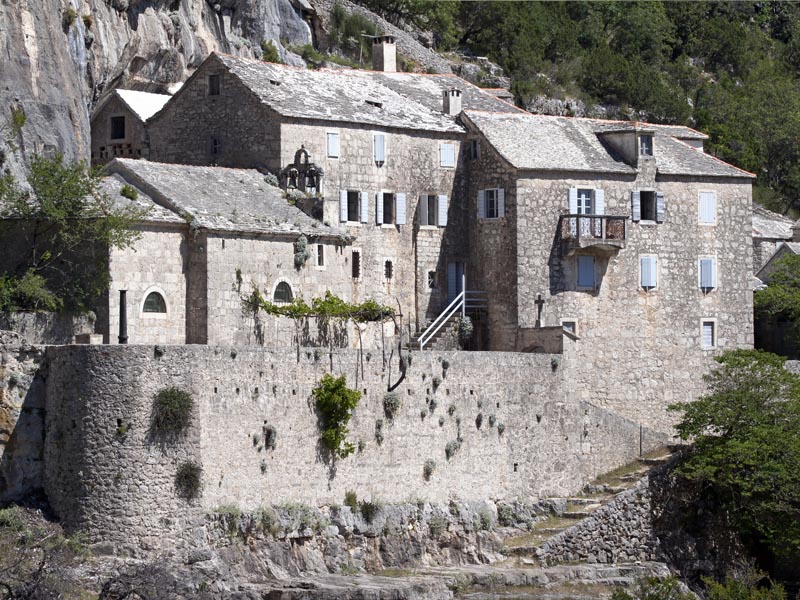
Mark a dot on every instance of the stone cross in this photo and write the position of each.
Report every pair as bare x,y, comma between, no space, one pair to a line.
539,304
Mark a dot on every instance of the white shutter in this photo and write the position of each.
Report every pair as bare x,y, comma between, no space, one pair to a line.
599,202
380,147
379,207
708,334
442,208
636,206
573,201
708,207
343,206
660,207
333,145
482,204
364,207
585,271
501,203
713,272
708,273
400,209
447,155
648,266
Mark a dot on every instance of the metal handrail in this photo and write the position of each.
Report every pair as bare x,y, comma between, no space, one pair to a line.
452,308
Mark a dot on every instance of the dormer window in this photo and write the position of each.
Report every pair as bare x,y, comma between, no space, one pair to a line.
375,103
646,145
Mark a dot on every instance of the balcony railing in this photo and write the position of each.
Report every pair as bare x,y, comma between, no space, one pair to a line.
605,232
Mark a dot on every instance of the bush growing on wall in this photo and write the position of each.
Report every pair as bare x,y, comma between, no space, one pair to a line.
172,411
336,403
188,479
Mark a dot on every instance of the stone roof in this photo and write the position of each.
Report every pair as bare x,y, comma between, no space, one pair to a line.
142,104
549,143
396,100
112,185
768,224
220,199
783,249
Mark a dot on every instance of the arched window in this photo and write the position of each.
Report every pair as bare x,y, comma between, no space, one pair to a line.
283,292
154,303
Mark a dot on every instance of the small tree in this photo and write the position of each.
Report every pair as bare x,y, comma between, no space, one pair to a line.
336,403
746,433
65,225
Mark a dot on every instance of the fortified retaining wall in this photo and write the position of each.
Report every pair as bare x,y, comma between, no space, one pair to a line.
522,432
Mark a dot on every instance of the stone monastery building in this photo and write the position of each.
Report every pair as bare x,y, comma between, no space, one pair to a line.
406,187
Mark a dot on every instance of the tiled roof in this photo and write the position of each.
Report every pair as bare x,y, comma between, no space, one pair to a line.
217,198
768,224
547,143
397,100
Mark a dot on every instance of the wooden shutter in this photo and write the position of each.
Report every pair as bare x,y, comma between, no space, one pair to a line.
573,201
333,145
343,206
599,202
379,208
380,147
501,203
482,204
364,207
442,209
447,155
400,209
660,207
636,206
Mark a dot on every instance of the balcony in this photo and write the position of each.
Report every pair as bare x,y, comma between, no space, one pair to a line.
602,233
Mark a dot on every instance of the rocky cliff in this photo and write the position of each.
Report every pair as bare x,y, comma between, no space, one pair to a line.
59,56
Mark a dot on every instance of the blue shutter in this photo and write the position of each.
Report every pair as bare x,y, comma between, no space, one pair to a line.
452,282
501,203
442,209
343,206
708,207
482,204
379,207
636,206
708,273
333,145
364,207
660,207
585,271
649,274
380,147
400,209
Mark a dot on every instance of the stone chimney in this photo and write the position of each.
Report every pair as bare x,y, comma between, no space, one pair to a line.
384,54
451,104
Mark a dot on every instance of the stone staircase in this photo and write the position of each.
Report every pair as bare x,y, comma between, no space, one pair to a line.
444,339
524,549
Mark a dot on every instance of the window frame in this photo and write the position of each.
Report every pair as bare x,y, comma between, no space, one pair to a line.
712,223
320,264
493,203
442,155
392,209
590,199
214,89
111,128
154,315
426,214
328,135
278,284
578,284
649,146
652,194
356,276
574,330
714,333
357,195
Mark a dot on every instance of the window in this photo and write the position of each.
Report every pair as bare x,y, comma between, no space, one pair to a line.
570,326
707,208
388,208
333,145
646,145
707,274
428,210
154,303
586,272
320,255
474,149
355,264
491,203
709,333
431,280
215,146
647,205
283,293
388,269
648,272
117,128
353,201
585,202
379,148
447,155
214,84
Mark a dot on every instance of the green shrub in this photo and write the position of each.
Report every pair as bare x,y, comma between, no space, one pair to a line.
336,403
301,252
391,404
88,21
69,16
351,500
172,411
269,521
129,192
269,52
653,588
188,479
506,516
437,525
31,293
746,588
369,509
428,468
11,518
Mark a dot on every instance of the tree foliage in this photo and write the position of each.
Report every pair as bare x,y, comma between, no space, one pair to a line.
746,433
781,298
335,403
62,229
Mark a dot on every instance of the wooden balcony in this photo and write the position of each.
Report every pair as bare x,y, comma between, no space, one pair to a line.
601,233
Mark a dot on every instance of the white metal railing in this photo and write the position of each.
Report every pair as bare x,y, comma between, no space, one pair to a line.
465,300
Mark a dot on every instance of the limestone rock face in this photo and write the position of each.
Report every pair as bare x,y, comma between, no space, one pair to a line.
58,57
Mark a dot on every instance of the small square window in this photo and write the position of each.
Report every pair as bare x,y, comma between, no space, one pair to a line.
320,255
353,204
356,264
646,145
117,128
214,84
709,332
431,280
570,326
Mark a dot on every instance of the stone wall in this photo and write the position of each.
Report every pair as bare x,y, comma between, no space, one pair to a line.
513,429
22,400
46,327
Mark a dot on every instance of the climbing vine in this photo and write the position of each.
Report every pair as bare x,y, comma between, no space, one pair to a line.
328,307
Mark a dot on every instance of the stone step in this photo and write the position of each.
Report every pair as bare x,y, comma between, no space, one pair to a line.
585,500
